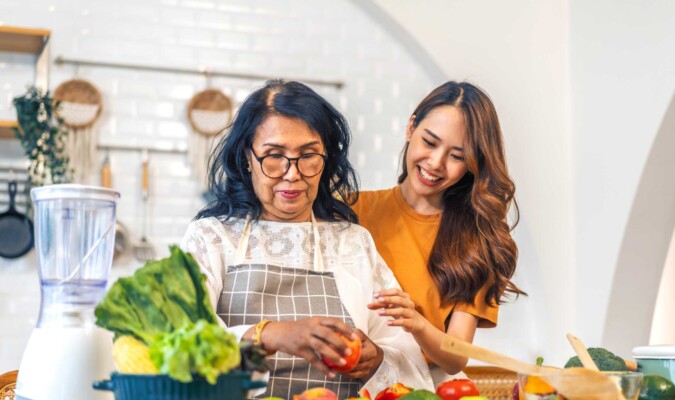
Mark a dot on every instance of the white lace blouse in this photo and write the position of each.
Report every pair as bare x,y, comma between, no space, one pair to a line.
348,252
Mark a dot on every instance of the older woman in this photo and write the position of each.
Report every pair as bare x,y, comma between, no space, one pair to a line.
285,263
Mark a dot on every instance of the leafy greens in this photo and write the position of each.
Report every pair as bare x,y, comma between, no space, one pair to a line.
166,306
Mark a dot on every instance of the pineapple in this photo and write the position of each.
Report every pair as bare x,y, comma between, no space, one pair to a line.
132,356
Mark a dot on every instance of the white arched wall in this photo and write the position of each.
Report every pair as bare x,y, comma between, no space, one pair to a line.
663,323
645,246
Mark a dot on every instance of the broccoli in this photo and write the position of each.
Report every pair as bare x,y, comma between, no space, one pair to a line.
604,359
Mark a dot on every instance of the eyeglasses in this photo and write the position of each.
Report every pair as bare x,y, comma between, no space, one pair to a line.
276,165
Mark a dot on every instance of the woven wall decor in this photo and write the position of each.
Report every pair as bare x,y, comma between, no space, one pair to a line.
79,106
209,113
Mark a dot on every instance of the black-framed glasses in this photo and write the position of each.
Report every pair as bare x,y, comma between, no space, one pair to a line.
276,165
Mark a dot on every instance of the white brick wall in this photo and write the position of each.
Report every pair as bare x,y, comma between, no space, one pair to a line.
330,40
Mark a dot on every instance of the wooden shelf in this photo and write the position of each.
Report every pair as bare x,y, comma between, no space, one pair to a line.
6,131
26,40
23,40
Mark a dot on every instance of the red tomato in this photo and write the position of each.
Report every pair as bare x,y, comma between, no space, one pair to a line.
456,389
352,359
393,392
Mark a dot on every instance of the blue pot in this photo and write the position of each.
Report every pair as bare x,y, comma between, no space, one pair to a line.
232,385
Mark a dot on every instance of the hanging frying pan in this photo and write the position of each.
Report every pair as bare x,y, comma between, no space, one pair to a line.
16,230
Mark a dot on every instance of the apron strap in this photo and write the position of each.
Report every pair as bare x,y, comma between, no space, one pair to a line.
243,244
318,257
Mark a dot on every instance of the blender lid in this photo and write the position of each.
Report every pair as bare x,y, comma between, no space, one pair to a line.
655,351
73,191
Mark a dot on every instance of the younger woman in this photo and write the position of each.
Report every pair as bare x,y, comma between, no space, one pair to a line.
443,230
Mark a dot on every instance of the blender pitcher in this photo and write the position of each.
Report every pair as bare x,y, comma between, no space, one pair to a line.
74,240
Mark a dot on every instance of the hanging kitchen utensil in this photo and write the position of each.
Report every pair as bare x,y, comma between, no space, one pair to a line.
16,229
79,107
121,232
209,113
573,383
143,250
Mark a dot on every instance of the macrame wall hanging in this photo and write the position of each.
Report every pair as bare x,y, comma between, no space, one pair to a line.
209,113
80,106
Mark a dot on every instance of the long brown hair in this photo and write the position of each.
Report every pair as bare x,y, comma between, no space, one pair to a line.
473,246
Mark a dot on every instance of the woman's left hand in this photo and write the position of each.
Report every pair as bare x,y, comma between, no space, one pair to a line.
397,304
371,358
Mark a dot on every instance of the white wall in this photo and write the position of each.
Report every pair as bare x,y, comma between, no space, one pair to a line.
300,38
517,51
623,79
582,89
663,324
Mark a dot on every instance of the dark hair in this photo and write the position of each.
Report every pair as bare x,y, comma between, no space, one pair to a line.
473,246
230,182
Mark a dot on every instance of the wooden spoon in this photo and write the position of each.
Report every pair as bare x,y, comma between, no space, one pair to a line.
573,383
586,359
582,352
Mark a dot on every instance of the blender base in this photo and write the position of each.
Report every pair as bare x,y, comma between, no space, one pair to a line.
61,364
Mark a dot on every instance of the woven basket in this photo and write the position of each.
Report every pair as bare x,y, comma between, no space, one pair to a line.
80,101
209,112
492,382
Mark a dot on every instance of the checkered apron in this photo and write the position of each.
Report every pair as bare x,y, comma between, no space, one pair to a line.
253,292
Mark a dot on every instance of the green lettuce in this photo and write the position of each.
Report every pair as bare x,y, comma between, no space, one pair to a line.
202,347
165,305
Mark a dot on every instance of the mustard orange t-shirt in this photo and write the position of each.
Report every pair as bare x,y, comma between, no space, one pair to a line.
404,239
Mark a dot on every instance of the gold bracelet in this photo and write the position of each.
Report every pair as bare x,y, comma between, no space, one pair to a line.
257,336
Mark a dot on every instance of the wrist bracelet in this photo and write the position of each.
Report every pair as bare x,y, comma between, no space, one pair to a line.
257,336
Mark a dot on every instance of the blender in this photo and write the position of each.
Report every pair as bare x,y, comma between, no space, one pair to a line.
74,242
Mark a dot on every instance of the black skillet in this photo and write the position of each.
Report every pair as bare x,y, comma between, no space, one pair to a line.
16,229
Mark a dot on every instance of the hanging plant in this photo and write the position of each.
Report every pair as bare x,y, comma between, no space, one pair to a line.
42,136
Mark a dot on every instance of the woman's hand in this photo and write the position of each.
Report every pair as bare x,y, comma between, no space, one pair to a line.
371,358
310,339
397,304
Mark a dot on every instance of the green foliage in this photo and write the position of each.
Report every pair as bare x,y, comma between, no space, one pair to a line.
161,296
604,359
42,137
203,347
166,306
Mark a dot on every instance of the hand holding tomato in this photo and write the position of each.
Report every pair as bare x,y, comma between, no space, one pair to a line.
371,358
311,338
397,304
456,389
350,360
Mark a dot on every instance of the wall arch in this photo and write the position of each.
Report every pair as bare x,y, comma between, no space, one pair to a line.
645,246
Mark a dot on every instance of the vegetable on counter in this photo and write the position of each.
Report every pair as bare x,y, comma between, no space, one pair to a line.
393,392
132,356
603,358
201,347
160,297
656,387
456,389
163,312
317,393
420,394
